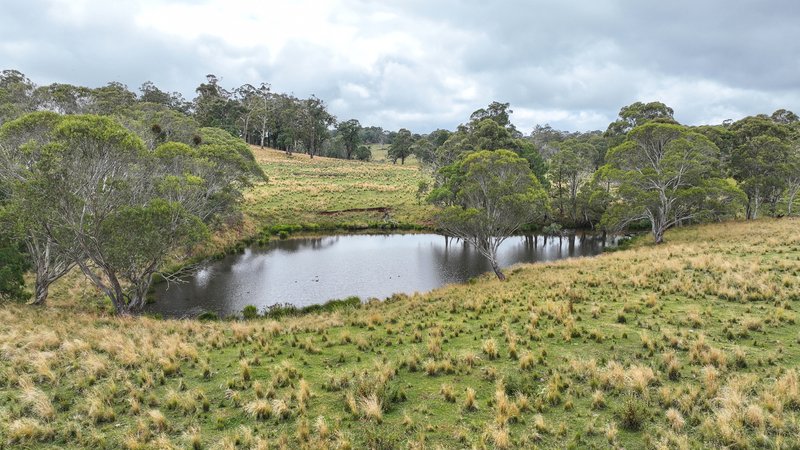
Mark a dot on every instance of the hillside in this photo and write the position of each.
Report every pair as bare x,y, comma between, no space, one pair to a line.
694,342
327,194
333,192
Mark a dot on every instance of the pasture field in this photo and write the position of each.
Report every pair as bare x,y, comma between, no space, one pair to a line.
693,343
333,192
380,153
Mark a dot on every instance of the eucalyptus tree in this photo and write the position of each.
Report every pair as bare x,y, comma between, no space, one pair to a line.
64,98
487,197
110,99
314,120
86,191
14,261
16,95
288,125
568,169
51,248
497,112
350,132
668,175
793,180
488,134
248,101
156,124
150,93
637,114
401,147
761,161
264,111
215,106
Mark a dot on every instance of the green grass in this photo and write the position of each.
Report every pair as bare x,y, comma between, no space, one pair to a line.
333,192
694,343
380,153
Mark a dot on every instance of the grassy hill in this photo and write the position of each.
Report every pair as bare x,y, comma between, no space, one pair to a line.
692,343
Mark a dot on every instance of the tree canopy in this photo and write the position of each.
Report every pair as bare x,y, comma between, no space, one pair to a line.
489,195
668,175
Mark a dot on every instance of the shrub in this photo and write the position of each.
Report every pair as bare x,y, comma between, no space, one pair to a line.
250,312
632,413
12,284
208,315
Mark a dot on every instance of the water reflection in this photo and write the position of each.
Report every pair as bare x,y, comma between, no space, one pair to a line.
313,270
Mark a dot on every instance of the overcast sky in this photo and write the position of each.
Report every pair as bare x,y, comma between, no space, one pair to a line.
426,64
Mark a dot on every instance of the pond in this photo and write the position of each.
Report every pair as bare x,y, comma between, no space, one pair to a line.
313,270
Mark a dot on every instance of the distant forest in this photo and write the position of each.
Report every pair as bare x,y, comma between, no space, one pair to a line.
760,153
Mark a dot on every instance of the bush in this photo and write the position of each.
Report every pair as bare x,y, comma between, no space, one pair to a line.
632,414
363,153
520,383
12,284
208,315
250,312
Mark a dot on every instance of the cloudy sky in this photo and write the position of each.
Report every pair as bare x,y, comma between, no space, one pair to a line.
426,64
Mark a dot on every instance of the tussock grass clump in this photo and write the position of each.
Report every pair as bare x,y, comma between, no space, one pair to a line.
489,348
470,402
259,409
371,408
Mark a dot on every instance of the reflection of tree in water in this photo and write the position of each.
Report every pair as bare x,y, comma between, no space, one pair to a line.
460,261
295,245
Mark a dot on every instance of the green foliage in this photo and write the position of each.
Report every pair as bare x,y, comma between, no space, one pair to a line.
13,265
250,312
488,129
401,146
157,124
667,175
638,114
278,311
567,171
87,191
489,195
363,153
134,238
16,95
763,161
350,132
215,107
632,413
208,316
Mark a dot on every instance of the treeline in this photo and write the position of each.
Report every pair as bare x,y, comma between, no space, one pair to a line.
255,113
588,177
645,170
108,182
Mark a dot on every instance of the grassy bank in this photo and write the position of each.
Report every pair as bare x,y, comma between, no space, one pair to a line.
692,343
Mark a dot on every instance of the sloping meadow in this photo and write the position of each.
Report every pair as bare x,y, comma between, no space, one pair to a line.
694,342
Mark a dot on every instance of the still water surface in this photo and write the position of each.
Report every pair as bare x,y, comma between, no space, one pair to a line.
312,270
